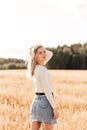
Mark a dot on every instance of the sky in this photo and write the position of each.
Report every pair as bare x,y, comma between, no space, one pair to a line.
24,23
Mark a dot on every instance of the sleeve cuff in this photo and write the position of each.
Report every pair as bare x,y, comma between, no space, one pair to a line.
49,55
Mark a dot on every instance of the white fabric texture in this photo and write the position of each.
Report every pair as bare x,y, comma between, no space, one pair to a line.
42,80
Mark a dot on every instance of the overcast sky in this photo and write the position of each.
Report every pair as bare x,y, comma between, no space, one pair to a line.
24,23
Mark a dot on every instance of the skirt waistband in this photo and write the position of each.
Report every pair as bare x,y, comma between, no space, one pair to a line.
40,93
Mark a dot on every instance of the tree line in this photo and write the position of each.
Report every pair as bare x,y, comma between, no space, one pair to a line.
64,57
12,63
69,57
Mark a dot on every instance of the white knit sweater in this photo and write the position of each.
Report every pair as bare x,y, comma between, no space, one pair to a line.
42,80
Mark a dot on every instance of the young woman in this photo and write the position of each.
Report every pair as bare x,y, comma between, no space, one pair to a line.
43,111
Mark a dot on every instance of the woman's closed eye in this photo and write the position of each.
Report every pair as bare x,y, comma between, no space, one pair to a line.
42,52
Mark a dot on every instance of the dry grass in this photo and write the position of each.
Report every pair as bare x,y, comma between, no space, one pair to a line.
16,93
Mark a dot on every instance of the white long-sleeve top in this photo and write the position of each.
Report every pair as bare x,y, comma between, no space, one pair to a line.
42,80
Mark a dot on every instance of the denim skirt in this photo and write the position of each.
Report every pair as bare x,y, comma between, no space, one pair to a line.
41,110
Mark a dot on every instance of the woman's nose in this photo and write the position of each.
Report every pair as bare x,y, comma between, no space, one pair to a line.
44,54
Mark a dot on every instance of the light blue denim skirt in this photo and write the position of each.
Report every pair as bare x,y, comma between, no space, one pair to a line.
41,110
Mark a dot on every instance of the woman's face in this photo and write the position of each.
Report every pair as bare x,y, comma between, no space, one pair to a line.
40,55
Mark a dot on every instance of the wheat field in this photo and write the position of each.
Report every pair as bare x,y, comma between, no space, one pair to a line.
17,92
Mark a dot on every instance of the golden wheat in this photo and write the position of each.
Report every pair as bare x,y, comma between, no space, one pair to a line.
16,93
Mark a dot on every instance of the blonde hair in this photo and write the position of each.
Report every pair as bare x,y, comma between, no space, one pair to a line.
31,62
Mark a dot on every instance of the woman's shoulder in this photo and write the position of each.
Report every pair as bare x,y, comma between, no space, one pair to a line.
40,68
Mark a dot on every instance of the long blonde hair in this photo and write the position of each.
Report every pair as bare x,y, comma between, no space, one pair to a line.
31,62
